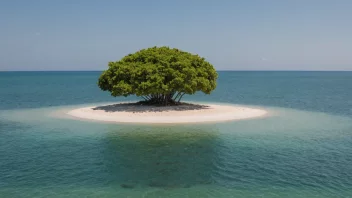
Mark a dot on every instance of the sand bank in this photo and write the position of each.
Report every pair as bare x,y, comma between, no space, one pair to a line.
186,113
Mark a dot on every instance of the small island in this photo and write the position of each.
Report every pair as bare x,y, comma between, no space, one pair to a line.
161,76
183,113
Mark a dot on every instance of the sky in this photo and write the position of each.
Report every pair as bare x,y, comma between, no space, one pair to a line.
230,34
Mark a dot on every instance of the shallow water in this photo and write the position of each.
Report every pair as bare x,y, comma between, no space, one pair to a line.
291,153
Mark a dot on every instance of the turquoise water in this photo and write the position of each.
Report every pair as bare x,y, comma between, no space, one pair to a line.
303,149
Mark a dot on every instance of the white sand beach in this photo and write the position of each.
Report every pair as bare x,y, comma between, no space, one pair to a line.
186,113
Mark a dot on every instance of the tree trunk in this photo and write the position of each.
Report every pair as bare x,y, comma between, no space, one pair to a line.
180,97
163,99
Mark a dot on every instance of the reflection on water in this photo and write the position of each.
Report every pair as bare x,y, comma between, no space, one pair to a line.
298,153
161,156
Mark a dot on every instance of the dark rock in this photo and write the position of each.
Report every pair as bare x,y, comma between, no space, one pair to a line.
127,185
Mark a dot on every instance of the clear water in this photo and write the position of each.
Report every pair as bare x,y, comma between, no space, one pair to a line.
303,149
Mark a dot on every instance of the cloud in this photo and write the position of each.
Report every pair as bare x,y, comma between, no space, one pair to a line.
37,33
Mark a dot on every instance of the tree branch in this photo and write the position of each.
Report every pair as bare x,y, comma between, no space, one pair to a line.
144,98
181,97
178,94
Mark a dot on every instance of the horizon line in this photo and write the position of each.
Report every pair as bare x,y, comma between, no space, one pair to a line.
220,70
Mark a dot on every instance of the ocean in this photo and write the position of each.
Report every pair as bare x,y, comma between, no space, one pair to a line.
302,149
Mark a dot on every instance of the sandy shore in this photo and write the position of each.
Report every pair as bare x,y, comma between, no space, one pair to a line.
186,113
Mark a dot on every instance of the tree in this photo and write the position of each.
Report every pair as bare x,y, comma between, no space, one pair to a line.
160,75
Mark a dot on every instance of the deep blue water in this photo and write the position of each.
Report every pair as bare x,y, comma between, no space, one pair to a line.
317,91
304,149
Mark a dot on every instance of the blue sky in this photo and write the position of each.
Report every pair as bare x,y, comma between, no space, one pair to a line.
231,34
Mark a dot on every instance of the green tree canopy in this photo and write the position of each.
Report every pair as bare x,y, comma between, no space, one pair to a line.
160,75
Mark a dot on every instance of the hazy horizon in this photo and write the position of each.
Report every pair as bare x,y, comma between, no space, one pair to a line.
219,70
232,35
